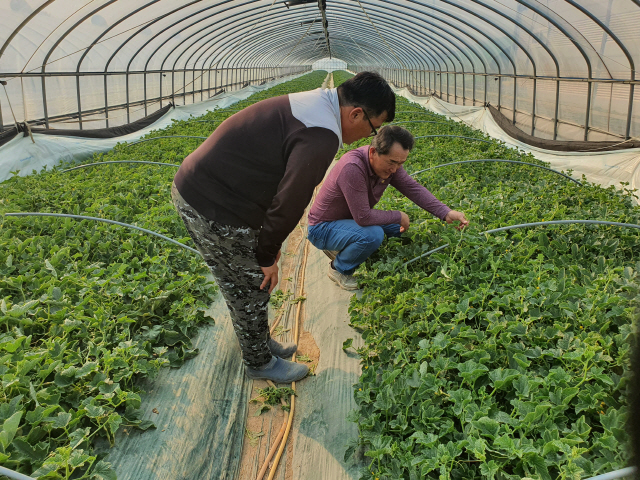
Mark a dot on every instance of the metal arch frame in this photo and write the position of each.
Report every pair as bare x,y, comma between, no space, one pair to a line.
338,41
582,52
632,66
170,26
551,55
415,60
55,45
473,66
473,27
438,39
252,56
544,13
88,49
250,50
513,64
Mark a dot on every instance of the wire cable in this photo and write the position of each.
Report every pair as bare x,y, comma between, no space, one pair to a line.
533,224
120,161
164,136
104,220
500,161
457,136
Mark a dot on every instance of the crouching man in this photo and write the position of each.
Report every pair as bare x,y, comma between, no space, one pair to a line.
342,220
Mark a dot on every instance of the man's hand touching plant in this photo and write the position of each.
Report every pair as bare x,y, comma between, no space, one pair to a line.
455,216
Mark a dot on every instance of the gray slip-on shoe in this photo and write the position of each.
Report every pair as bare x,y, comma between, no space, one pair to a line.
278,371
346,282
282,350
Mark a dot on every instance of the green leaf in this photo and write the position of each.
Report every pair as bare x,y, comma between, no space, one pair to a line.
487,426
347,343
103,471
9,429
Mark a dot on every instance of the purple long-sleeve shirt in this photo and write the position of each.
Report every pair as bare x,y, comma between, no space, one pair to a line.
352,189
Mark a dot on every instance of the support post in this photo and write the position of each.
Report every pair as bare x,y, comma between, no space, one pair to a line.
79,101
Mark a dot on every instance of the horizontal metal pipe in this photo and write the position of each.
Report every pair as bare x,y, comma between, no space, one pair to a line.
455,136
623,81
120,161
498,161
534,224
104,220
165,136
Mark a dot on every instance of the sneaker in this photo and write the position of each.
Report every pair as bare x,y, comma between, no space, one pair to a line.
278,371
346,282
282,350
332,254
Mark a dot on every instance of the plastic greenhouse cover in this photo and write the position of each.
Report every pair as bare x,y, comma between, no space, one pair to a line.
604,168
565,38
26,156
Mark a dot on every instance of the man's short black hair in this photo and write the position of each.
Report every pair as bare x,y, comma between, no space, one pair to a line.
390,134
371,92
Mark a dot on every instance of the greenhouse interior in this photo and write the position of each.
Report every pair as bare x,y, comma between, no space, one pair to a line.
202,279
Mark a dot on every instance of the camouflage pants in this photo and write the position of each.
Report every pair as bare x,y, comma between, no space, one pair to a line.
229,252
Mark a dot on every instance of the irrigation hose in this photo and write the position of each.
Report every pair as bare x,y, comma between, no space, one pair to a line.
421,121
623,473
274,447
164,136
454,136
104,220
283,442
500,161
534,224
13,475
120,161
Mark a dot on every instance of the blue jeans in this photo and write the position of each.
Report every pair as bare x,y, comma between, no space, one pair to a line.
355,243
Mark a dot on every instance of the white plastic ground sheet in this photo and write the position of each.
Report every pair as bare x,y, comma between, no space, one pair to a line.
22,154
604,168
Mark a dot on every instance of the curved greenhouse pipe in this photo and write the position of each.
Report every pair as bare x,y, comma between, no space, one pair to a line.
267,44
471,26
405,52
104,220
262,45
408,55
423,121
456,136
336,42
164,136
119,161
533,224
496,160
498,65
399,16
513,64
358,16
617,474
473,65
13,475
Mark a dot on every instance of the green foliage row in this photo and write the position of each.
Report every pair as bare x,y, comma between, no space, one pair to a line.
502,356
87,309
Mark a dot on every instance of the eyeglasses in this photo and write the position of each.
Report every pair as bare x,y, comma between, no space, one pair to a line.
374,132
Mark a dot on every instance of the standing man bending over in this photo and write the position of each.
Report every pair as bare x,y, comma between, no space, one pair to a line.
342,220
245,188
